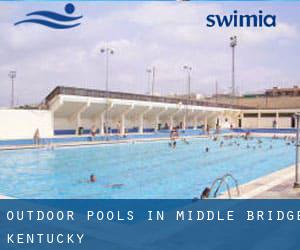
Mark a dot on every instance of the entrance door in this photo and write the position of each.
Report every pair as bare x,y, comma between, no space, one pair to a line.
293,122
240,123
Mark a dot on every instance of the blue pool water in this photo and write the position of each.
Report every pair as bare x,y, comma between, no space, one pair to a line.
147,170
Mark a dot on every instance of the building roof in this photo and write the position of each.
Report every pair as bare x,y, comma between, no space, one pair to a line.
60,90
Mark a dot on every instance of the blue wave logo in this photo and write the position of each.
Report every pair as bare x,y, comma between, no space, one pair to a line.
55,20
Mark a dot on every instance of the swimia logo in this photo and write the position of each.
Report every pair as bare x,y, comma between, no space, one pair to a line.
52,19
242,20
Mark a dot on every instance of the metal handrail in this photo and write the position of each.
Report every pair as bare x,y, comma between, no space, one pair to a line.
235,182
220,181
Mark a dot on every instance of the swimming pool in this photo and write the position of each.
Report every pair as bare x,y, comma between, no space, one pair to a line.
147,170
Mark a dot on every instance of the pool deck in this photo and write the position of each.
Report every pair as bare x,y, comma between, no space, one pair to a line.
277,185
131,140
98,142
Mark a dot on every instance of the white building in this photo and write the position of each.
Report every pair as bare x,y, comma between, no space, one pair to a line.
70,109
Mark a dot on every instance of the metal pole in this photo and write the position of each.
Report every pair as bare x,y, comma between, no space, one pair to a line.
233,44
107,52
188,98
106,72
12,75
12,93
189,85
153,80
233,69
149,71
297,182
216,91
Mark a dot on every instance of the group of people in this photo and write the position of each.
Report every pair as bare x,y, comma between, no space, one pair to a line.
174,135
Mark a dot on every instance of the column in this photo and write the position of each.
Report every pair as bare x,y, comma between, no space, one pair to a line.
141,124
205,123
101,127
156,122
277,120
78,122
258,119
195,122
184,122
171,122
122,132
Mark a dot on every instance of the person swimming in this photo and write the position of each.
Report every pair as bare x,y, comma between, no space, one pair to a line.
117,185
205,193
185,141
207,149
93,178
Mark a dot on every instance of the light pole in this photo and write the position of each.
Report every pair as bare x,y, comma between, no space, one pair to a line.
217,91
12,75
188,69
149,72
107,51
233,44
297,181
153,72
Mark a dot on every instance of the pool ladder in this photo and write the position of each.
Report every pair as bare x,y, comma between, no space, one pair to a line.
223,180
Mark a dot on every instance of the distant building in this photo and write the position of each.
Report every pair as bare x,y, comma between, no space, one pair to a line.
274,92
193,96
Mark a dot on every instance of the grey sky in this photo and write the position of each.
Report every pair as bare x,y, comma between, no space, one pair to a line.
167,35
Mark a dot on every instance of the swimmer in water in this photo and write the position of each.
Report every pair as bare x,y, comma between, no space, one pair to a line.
92,178
205,194
117,185
185,141
207,149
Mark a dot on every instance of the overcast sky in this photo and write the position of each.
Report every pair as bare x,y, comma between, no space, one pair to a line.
167,35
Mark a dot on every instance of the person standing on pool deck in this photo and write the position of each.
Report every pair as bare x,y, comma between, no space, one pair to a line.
36,137
119,127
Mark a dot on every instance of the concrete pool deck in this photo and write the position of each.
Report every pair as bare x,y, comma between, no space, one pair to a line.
130,140
98,142
277,185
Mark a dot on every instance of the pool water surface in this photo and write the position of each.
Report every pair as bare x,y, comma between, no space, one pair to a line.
143,170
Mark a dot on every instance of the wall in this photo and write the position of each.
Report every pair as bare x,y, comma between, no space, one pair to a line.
22,124
266,122
250,122
282,102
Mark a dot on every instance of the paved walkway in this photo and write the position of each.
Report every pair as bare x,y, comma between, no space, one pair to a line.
278,185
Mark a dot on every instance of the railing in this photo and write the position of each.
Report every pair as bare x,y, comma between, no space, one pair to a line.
130,96
220,182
